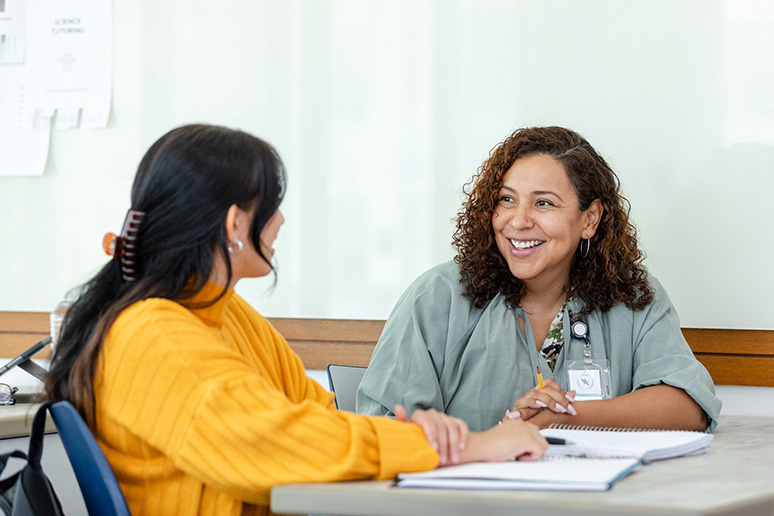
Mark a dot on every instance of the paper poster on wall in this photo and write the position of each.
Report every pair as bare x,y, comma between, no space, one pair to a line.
11,33
23,152
69,62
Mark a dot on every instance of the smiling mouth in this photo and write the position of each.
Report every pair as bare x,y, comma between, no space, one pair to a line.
525,244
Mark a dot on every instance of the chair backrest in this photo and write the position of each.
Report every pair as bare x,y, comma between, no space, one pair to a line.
99,486
344,381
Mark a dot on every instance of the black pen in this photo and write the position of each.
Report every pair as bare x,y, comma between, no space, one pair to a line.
26,355
556,440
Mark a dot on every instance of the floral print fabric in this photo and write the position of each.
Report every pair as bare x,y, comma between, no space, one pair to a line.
552,346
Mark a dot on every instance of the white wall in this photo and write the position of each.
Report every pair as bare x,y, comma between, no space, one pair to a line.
381,110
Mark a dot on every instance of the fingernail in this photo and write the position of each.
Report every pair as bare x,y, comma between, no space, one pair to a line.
434,444
514,415
569,397
560,408
455,458
462,445
540,404
571,410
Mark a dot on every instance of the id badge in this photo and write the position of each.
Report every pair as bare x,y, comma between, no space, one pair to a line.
590,379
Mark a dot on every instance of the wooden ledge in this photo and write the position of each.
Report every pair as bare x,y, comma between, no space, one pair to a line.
733,357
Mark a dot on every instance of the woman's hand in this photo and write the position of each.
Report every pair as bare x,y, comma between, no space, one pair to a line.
447,434
507,441
551,397
454,444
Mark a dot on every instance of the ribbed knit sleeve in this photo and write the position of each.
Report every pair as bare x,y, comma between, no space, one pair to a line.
226,406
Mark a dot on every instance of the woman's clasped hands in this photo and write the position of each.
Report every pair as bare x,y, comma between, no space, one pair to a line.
550,398
450,437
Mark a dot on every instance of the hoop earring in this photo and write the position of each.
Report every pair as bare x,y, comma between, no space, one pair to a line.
235,247
588,247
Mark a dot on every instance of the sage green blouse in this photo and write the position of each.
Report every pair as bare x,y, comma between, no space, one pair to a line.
439,351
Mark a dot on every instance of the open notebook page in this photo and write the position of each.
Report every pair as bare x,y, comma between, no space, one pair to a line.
647,445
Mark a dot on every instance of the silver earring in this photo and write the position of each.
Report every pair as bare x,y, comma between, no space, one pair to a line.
235,247
588,247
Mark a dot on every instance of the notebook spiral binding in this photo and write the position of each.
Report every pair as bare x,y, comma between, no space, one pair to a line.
565,426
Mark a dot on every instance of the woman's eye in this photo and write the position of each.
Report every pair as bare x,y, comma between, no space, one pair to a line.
506,198
543,202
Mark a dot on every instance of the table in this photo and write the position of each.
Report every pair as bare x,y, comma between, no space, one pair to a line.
16,420
735,477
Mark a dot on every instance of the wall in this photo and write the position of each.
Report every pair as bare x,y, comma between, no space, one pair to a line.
382,110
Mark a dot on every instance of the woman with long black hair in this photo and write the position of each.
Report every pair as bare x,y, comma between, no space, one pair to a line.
198,403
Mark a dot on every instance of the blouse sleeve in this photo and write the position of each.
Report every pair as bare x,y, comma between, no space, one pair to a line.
413,349
662,355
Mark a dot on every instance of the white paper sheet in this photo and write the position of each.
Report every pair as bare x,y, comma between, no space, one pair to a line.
22,152
69,61
11,33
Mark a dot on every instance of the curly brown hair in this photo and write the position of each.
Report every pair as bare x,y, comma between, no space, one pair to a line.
611,273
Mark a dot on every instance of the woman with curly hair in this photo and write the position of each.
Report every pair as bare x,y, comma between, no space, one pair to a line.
547,282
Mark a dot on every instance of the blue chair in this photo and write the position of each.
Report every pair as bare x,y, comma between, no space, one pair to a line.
99,486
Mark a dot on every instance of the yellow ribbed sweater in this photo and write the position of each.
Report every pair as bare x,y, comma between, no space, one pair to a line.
202,411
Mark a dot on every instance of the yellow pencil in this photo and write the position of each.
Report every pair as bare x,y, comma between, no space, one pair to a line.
540,379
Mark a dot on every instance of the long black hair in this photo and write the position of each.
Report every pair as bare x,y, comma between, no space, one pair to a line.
185,184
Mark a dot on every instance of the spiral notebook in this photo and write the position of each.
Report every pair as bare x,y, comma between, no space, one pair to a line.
645,445
558,474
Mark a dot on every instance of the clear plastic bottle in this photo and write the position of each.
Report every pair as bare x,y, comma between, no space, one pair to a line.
58,314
